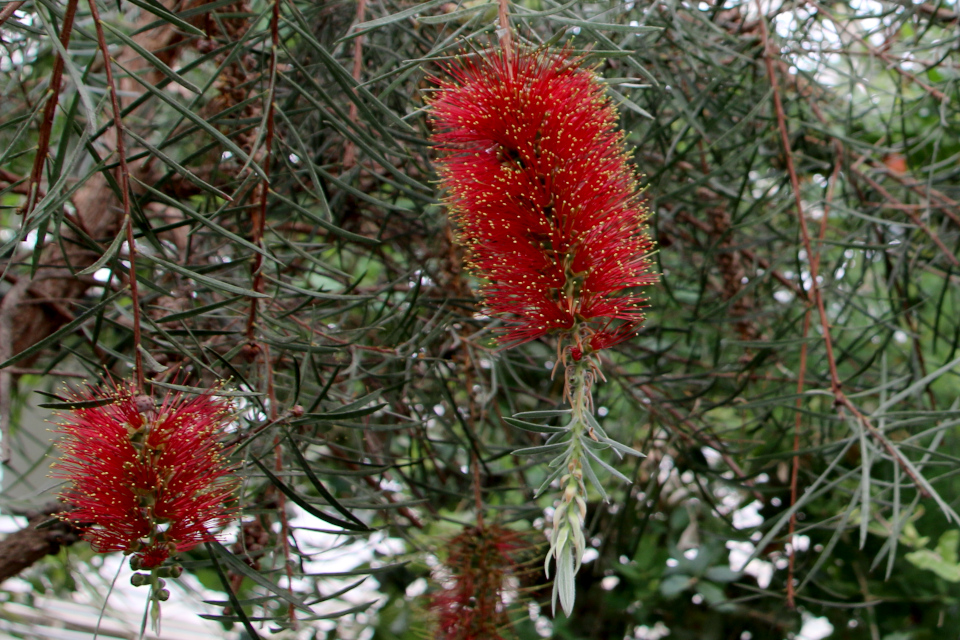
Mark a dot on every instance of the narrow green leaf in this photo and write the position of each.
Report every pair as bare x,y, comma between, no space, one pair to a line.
565,582
628,103
184,315
916,387
370,25
322,490
66,329
360,96
593,424
455,15
168,17
346,235
549,480
542,449
108,254
64,403
227,393
12,144
622,448
538,415
206,221
536,428
607,466
311,418
176,166
213,283
530,13
319,295
603,26
158,64
219,551
300,347
367,571
592,477
306,506
228,587
198,120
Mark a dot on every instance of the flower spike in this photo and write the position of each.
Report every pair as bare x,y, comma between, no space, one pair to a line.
544,199
149,481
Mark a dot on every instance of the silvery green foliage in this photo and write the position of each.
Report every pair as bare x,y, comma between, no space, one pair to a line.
578,445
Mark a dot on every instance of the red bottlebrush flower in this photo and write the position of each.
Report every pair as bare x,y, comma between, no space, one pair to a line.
145,480
479,560
544,198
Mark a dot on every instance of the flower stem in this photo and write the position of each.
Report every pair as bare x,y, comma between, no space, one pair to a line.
506,39
568,542
125,192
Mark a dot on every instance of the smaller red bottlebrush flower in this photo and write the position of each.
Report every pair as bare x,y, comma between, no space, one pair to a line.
544,198
145,480
479,560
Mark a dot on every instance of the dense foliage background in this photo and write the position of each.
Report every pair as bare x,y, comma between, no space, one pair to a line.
794,387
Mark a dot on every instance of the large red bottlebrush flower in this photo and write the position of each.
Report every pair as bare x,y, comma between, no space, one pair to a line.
543,196
153,481
472,606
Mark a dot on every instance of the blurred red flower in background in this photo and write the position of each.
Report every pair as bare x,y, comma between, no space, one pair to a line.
472,606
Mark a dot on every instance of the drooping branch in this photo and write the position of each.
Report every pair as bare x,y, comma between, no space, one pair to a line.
31,544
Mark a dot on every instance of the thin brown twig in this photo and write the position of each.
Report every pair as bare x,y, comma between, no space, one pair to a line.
125,188
840,398
913,216
9,10
879,53
795,461
263,350
350,149
504,33
477,493
259,217
711,440
795,184
801,379
947,205
49,111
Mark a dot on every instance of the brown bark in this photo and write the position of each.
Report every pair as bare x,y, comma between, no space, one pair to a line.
21,549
